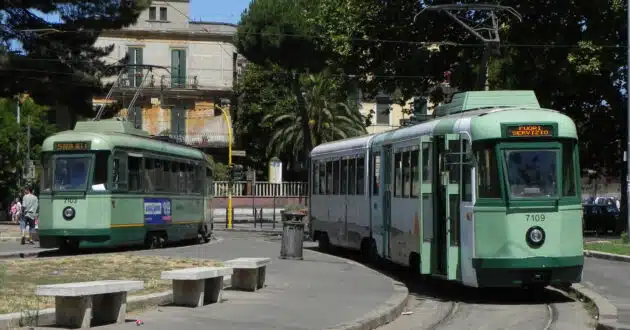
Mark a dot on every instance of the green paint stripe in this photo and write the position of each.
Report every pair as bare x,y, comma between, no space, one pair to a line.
535,262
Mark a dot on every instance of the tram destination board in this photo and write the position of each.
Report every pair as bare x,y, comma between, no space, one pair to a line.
72,146
522,131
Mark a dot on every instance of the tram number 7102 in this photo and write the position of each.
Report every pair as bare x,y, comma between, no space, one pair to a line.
535,217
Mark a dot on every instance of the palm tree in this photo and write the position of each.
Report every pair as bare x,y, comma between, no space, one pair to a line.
328,119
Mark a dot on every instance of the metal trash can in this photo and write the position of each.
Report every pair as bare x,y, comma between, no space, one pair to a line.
292,240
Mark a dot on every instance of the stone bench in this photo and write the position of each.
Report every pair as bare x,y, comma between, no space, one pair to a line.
249,273
78,304
195,287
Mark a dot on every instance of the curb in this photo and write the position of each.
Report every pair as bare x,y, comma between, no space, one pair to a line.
606,256
47,316
250,230
383,314
607,312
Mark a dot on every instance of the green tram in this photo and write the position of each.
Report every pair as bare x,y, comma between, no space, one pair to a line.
486,193
106,183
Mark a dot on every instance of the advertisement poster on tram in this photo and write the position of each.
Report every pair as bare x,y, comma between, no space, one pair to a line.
157,211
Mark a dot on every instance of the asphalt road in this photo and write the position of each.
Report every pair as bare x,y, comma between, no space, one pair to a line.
612,280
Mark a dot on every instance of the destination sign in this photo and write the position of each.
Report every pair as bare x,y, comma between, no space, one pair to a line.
72,146
529,130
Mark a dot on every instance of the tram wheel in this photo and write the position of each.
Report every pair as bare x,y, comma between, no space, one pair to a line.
369,251
151,241
323,242
203,236
161,240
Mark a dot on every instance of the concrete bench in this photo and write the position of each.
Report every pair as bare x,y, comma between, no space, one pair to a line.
77,304
195,287
249,273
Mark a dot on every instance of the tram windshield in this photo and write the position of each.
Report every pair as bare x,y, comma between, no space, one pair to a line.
532,173
71,173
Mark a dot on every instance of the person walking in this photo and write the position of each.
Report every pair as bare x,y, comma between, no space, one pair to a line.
16,210
30,204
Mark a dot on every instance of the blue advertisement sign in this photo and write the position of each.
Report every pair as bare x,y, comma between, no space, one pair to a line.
157,211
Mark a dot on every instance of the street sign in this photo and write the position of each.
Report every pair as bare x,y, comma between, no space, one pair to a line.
275,170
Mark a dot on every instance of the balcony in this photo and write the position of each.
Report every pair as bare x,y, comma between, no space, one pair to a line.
160,81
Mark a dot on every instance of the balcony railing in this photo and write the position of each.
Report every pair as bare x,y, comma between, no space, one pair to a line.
261,189
159,81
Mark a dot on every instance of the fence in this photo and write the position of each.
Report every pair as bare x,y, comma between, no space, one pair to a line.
261,189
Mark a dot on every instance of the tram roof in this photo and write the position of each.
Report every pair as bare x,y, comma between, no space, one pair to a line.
483,124
355,143
110,140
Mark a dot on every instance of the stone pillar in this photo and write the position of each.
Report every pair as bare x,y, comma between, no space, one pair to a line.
262,274
110,308
73,312
188,292
245,279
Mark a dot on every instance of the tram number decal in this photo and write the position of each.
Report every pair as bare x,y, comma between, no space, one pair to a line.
535,217
70,201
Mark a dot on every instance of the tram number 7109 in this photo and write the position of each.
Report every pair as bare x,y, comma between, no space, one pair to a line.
535,217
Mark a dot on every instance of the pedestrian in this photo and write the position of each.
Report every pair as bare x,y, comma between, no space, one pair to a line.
16,210
30,205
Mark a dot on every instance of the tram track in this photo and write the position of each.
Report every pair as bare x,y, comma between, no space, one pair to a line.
448,306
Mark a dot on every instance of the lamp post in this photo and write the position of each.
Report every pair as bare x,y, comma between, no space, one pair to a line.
225,112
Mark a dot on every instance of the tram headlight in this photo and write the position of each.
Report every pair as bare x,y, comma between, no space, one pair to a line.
68,213
535,236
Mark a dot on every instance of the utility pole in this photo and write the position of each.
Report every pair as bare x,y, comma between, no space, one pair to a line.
27,161
628,124
487,30
18,102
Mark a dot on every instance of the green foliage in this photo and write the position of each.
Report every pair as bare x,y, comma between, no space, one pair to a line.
12,161
221,172
275,31
60,56
624,238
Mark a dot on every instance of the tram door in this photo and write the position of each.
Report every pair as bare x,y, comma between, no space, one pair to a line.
426,209
451,177
387,198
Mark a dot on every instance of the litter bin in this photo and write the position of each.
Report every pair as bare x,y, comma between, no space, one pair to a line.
292,236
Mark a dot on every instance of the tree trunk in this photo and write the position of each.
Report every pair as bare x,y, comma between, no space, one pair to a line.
301,108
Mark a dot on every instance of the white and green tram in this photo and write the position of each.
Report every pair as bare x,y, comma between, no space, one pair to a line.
486,194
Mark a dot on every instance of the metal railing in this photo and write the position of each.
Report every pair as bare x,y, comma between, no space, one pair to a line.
261,189
159,81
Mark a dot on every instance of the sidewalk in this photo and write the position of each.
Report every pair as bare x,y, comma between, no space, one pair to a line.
319,292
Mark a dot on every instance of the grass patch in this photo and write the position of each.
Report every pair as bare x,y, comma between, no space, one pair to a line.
615,247
18,278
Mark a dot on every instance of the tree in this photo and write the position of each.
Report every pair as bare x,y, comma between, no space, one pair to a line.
330,117
60,56
276,32
11,161
261,90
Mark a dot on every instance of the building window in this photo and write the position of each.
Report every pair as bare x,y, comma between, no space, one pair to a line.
178,68
152,14
382,114
178,124
163,14
134,74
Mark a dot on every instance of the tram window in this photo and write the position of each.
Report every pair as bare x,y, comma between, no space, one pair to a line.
158,175
166,176
149,175
453,160
344,176
175,177
414,158
209,182
190,178
133,168
466,184
119,173
99,179
329,178
398,174
376,172
315,178
199,174
488,173
352,176
406,174
426,162
568,170
322,178
361,176
47,173
336,174
181,178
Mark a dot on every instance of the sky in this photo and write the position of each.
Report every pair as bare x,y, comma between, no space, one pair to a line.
226,11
